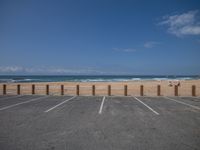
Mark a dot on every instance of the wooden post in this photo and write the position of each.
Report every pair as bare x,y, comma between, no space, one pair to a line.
193,90
176,90
18,89
158,90
33,88
77,90
4,89
93,90
125,90
47,89
109,90
141,90
62,89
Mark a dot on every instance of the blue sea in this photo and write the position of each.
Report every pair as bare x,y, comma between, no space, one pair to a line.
89,78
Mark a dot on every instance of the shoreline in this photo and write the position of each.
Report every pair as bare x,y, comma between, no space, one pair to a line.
95,78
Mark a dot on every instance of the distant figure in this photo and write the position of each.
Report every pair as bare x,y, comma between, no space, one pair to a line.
176,82
170,83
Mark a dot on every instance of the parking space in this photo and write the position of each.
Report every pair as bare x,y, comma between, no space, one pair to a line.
124,124
125,105
88,122
20,113
170,105
178,114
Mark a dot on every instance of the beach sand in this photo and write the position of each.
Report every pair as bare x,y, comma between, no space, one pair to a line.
101,88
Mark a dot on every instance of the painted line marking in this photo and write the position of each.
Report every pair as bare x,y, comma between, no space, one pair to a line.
147,106
10,106
189,98
184,97
101,107
60,104
195,107
11,97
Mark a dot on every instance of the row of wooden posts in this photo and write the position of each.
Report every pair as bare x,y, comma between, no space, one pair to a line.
108,90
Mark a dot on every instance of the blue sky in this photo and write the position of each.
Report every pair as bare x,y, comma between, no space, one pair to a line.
139,37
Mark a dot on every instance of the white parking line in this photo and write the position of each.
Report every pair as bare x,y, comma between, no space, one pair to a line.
196,98
190,97
101,107
11,97
35,99
195,107
60,104
147,106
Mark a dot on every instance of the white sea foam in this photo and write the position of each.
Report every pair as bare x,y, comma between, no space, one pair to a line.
136,79
160,79
18,80
102,80
6,80
24,80
184,78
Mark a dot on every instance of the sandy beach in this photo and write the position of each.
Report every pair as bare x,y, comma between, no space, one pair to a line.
167,88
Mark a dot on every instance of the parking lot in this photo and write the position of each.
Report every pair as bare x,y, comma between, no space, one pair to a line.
99,123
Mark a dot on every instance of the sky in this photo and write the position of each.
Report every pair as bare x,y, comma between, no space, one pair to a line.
100,37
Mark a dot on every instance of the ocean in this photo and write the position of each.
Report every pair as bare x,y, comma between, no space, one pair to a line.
90,78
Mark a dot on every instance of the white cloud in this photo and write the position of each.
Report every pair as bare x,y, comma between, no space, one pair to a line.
183,24
127,50
47,70
150,44
10,69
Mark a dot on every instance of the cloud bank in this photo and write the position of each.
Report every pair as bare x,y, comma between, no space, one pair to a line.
47,70
182,24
